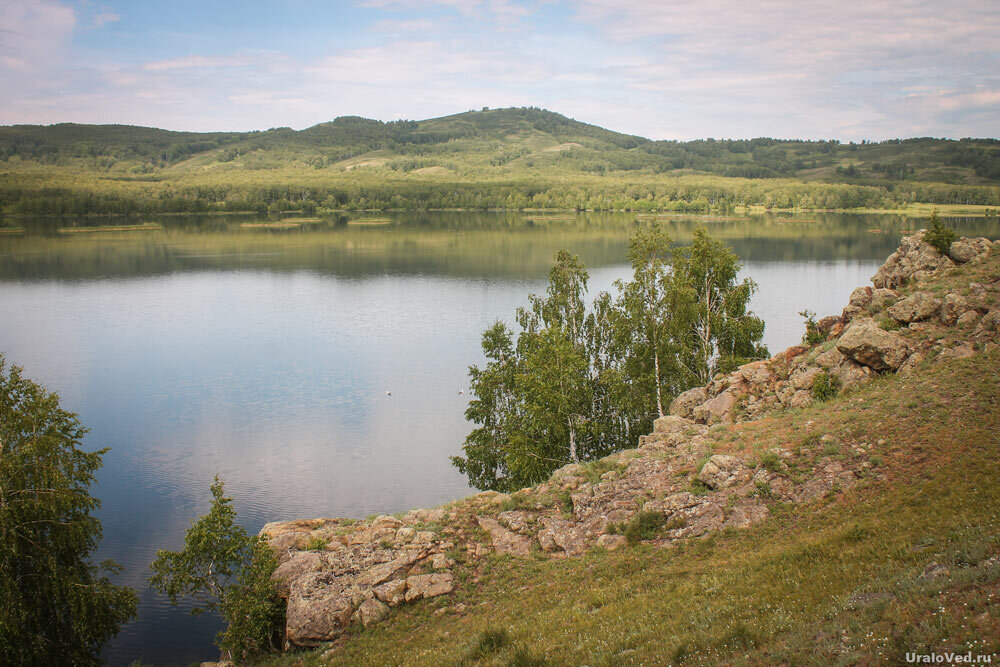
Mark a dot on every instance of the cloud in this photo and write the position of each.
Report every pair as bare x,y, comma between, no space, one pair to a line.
657,68
33,33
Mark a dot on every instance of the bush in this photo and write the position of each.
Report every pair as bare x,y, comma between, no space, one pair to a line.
813,335
316,543
771,462
825,386
938,235
644,526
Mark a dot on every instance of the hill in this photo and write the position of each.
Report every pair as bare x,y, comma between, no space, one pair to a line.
775,517
501,158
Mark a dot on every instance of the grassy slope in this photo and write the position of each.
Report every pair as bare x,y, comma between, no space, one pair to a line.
835,582
500,143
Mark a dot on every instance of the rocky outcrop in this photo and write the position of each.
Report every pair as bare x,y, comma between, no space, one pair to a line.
914,260
338,572
868,344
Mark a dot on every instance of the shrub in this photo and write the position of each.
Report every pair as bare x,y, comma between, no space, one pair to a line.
813,335
889,324
316,543
771,462
825,386
764,490
644,526
938,235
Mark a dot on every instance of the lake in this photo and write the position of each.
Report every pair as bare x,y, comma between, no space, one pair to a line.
263,353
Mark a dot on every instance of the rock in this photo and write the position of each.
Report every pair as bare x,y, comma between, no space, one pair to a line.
963,350
967,249
671,424
860,297
989,323
423,586
868,344
913,260
391,569
572,537
934,570
612,542
385,521
505,541
747,514
952,307
721,471
882,298
441,562
371,612
968,319
803,379
916,307
686,402
405,535
756,373
318,610
300,563
392,592
912,363
800,399
830,359
718,409
830,325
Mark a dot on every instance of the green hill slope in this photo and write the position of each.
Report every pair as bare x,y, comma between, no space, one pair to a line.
500,158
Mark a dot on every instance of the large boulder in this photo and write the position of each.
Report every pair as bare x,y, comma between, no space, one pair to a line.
917,307
686,402
422,586
866,343
505,541
319,609
721,471
914,259
967,249
952,308
718,409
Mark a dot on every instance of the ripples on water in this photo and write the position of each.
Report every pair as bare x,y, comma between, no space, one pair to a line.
268,364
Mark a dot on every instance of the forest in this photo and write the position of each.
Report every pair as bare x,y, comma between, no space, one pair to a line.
515,159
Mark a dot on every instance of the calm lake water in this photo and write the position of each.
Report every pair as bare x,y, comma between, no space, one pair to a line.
211,346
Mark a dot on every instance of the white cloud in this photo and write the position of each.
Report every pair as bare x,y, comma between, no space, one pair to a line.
34,33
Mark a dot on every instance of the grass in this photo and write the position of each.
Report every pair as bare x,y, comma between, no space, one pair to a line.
834,582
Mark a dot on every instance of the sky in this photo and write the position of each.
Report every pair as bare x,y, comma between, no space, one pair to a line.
657,68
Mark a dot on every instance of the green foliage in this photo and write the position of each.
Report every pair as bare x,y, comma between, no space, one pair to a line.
763,490
501,158
644,526
825,386
223,568
889,324
719,333
58,608
812,336
316,543
576,385
771,462
938,235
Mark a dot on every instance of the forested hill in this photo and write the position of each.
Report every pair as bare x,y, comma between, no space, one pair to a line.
502,158
514,138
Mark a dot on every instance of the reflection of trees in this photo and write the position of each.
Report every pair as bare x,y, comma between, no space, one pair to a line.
471,244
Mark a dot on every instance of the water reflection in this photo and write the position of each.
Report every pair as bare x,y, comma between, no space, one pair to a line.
264,354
